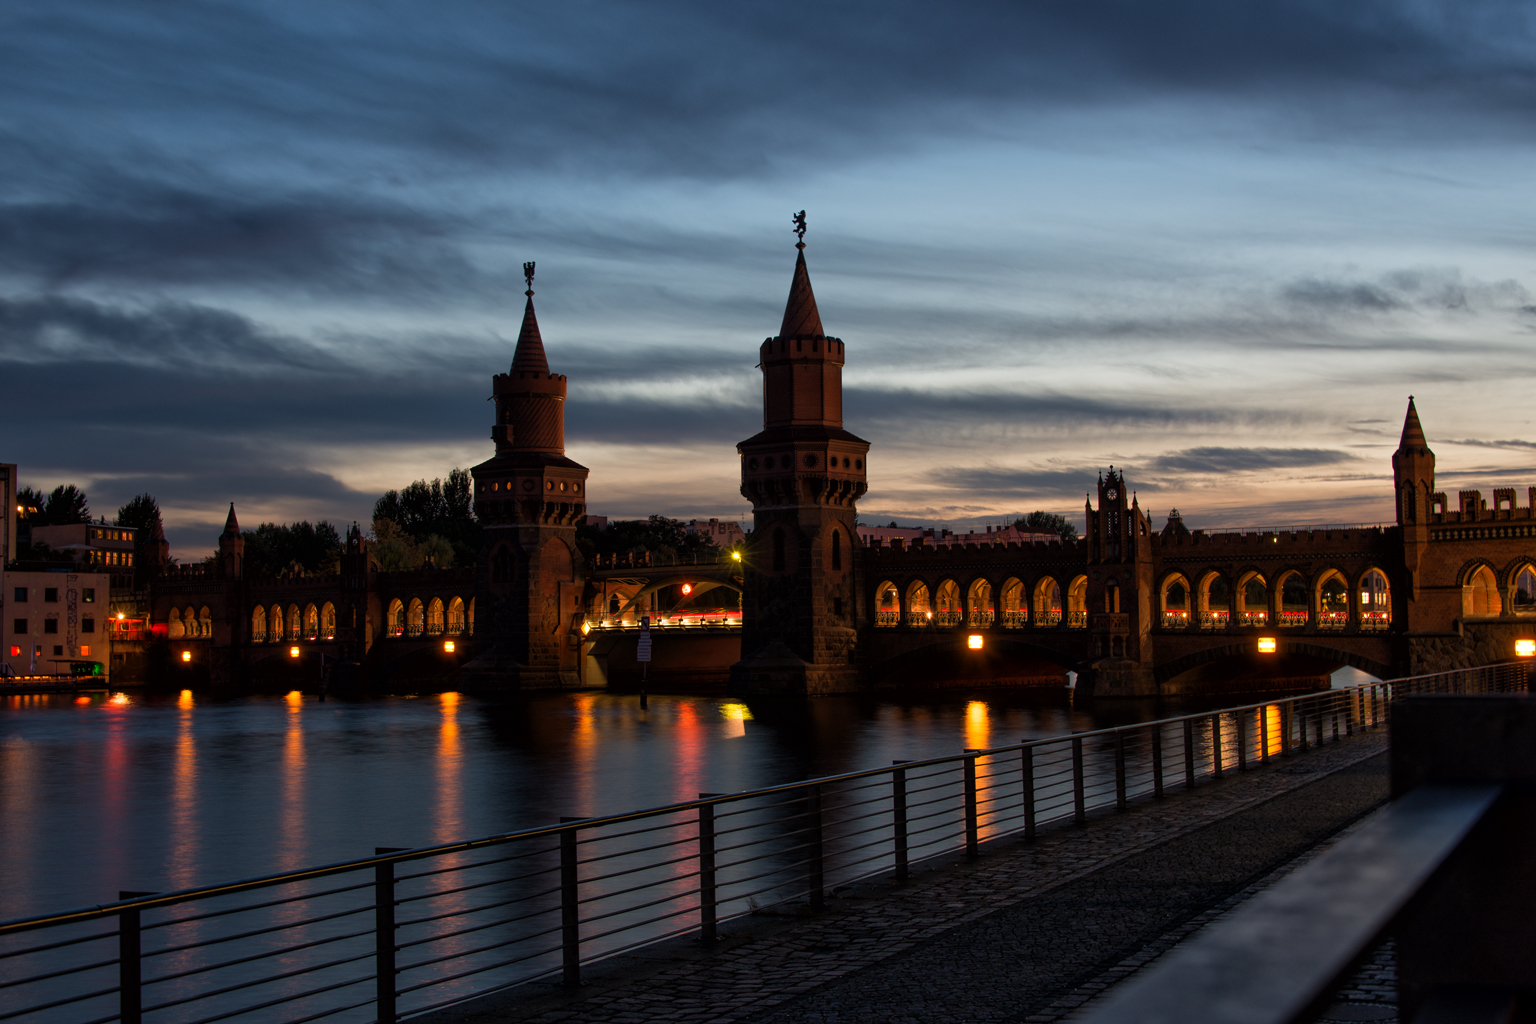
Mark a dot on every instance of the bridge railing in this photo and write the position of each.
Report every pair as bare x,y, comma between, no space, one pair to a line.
411,930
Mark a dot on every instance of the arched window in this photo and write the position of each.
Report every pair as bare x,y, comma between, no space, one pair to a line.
173,626
1015,609
837,549
1375,601
456,616
328,621
1522,593
469,617
415,617
978,603
311,622
919,611
1332,601
1215,602
275,624
1047,601
1480,596
1112,597
778,550
1077,603
887,604
258,625
946,611
435,616
1294,609
1175,602
204,622
394,619
1252,601
295,622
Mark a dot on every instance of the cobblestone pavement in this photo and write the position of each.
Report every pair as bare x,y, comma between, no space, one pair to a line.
1006,937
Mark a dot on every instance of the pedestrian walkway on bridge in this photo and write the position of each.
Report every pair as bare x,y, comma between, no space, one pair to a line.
1028,932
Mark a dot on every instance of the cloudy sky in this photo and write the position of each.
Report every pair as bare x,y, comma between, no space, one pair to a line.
271,253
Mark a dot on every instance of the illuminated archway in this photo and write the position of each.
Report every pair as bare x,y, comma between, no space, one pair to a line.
469,617
204,621
311,622
1047,601
173,626
1522,590
258,625
1174,601
1375,600
1014,608
275,624
887,604
434,621
978,603
415,617
456,616
1077,603
394,619
1480,594
1332,600
947,610
1252,600
919,611
1215,601
328,621
1295,609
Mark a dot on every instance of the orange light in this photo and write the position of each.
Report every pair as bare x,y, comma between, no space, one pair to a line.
82,700
974,641
1525,648
293,652
448,646
687,588
186,655
1267,645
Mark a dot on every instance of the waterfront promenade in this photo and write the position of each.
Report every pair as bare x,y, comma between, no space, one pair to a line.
1030,931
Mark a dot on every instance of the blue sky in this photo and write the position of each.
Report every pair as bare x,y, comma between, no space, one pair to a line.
271,254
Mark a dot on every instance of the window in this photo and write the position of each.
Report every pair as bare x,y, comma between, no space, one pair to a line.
87,625
51,595
85,650
88,595
58,650
18,625
15,651
50,625
21,595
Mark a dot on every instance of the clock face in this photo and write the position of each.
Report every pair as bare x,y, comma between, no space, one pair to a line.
1112,493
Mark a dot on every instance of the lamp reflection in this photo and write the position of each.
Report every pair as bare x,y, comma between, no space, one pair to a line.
291,826
736,718
978,725
450,773
183,837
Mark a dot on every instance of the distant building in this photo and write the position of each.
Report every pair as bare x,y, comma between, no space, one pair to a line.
8,513
724,534
53,618
907,536
91,544
596,522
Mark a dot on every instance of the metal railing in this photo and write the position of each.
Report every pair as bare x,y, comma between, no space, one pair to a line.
411,930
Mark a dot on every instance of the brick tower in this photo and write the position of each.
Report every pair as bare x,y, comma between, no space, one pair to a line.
1118,597
1413,476
803,473
529,498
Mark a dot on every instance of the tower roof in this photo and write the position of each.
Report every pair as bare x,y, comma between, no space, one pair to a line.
231,524
529,355
801,318
1413,431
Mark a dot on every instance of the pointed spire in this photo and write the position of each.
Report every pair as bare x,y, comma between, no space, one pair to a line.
528,357
801,318
1413,431
231,524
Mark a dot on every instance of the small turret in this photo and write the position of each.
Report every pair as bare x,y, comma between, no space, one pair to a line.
231,547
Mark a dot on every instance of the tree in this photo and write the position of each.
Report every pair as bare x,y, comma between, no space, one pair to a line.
270,548
67,504
142,513
445,509
657,534
1047,522
32,503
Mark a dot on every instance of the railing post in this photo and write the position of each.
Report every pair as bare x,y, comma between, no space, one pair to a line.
570,909
384,941
972,812
1157,760
1189,753
817,879
1120,770
1240,720
1079,811
1216,746
1028,769
708,910
129,980
899,819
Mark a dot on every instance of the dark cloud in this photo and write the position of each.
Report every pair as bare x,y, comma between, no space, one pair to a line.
1243,460
997,484
1437,289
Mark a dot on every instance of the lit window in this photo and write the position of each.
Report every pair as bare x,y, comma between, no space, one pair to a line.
85,650
88,595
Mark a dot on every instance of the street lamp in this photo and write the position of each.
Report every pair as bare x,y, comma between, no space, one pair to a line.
974,641
293,652
186,655
1525,648
1267,645
448,646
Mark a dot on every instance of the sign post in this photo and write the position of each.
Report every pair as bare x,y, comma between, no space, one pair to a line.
643,655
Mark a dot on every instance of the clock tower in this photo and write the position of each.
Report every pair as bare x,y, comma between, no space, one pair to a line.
1120,593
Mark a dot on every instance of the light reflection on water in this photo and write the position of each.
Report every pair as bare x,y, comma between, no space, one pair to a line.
153,793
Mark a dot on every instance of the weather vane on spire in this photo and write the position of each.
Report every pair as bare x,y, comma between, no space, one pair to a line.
799,222
528,276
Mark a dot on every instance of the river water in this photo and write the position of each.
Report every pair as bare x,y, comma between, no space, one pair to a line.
171,791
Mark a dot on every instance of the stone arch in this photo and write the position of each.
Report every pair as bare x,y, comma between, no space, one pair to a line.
701,584
1047,601
1522,588
1295,607
1168,670
1251,599
980,612
311,621
1375,599
295,622
1077,603
173,627
258,625
919,607
394,619
415,617
1213,600
1331,597
469,617
1480,592
1174,598
947,609
434,618
275,625
204,622
456,616
328,621
887,604
1013,607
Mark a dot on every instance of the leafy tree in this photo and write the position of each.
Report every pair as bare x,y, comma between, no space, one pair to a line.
442,508
270,548
143,514
657,534
32,504
397,551
67,504
1047,522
